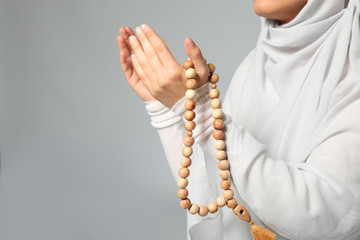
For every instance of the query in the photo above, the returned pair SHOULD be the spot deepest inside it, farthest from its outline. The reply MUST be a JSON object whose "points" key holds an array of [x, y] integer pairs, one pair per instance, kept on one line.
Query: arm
{"points": [[169, 124], [317, 199]]}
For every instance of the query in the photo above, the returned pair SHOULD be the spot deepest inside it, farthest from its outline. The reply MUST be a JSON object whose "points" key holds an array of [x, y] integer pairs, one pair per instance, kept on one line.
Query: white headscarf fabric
{"points": [[298, 94]]}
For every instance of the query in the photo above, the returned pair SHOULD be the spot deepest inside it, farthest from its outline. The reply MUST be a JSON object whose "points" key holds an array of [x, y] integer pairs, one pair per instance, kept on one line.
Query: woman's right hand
{"points": [[126, 63]]}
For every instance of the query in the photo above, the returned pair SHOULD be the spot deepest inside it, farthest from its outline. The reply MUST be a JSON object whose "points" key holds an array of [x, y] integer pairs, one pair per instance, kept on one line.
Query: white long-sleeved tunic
{"points": [[293, 146], [299, 200]]}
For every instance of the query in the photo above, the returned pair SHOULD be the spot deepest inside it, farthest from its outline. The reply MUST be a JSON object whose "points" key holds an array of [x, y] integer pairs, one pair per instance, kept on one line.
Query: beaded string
{"points": [[227, 199]]}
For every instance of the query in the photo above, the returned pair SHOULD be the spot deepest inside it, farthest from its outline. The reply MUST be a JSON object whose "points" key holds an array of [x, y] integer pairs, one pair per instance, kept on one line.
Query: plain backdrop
{"points": [[79, 158]]}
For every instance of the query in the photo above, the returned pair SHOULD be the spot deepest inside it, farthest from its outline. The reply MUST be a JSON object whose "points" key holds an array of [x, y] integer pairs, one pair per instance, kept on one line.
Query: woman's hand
{"points": [[127, 66], [150, 68]]}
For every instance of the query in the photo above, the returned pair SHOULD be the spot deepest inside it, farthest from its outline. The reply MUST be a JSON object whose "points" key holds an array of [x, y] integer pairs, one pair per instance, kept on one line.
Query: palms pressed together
{"points": [[150, 68]]}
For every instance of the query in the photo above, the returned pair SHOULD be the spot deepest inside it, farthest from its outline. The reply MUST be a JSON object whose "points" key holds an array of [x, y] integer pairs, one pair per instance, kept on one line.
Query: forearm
{"points": [[169, 124], [297, 200]]}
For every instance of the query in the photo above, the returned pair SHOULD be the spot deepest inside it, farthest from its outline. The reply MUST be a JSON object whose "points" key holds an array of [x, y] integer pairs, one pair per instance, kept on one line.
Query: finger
{"points": [[125, 58], [141, 72], [159, 45], [149, 51], [140, 56], [129, 31], [123, 47], [194, 53], [125, 33]]}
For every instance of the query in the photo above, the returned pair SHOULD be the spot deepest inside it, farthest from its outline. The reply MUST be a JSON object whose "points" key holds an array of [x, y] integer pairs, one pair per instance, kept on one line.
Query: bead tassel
{"points": [[259, 233]]}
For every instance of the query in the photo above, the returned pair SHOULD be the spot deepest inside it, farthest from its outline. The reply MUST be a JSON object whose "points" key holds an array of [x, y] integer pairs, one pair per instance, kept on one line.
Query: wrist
{"points": [[202, 96], [162, 116]]}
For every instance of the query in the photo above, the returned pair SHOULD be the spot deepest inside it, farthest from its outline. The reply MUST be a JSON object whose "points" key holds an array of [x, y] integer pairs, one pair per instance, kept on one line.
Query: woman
{"points": [[292, 121]]}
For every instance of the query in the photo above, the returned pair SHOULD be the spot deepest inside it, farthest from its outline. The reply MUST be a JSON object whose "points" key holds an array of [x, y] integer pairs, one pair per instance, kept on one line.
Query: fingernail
{"points": [[190, 42], [138, 30], [132, 39], [144, 27]]}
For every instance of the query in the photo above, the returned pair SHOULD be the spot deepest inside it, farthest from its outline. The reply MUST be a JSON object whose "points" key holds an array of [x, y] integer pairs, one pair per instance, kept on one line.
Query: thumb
{"points": [[194, 53]]}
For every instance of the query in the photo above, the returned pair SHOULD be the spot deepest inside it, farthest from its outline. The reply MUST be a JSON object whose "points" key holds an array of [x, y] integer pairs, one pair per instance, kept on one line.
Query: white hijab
{"points": [[296, 90]]}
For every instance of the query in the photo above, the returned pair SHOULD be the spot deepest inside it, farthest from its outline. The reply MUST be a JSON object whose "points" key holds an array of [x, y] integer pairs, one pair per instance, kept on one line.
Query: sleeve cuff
{"points": [[162, 116]]}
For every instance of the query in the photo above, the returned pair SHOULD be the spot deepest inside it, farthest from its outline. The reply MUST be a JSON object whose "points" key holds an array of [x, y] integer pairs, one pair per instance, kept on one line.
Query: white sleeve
{"points": [[169, 124], [316, 199]]}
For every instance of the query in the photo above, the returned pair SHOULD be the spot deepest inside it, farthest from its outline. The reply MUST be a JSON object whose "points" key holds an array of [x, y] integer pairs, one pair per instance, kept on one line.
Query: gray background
{"points": [[79, 158]]}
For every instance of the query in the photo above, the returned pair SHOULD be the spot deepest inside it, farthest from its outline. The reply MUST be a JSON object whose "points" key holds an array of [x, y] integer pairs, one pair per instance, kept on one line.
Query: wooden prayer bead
{"points": [[216, 113], [223, 164], [220, 154], [187, 151], [190, 104], [182, 193], [190, 73], [189, 125], [188, 64], [220, 201], [228, 194], [214, 78], [211, 67], [224, 174], [212, 207], [185, 203], [219, 144], [194, 209], [231, 203], [203, 210], [218, 124], [188, 141], [215, 103], [242, 213], [213, 86], [189, 115], [182, 182], [184, 172], [224, 184], [189, 133], [185, 162], [218, 134], [214, 93], [190, 94], [191, 83]]}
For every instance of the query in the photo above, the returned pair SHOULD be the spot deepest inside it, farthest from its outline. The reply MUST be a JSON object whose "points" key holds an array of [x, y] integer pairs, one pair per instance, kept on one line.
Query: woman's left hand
{"points": [[161, 74]]}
